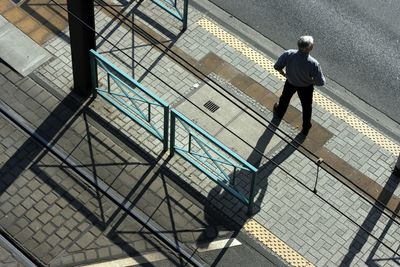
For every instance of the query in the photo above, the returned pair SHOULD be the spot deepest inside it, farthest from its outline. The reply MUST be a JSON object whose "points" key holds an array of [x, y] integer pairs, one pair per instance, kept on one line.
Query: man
{"points": [[302, 73]]}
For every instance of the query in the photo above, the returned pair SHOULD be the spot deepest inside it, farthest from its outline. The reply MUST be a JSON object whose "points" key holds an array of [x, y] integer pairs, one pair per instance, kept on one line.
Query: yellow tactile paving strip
{"points": [[275, 244], [319, 99], [240, 46], [357, 123]]}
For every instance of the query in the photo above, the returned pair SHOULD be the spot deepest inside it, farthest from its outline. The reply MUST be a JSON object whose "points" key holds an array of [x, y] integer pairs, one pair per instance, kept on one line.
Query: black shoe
{"points": [[305, 130], [396, 171], [275, 110]]}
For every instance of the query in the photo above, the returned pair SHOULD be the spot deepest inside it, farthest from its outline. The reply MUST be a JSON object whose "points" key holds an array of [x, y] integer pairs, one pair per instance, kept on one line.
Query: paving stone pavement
{"points": [[296, 215], [63, 220], [52, 214]]}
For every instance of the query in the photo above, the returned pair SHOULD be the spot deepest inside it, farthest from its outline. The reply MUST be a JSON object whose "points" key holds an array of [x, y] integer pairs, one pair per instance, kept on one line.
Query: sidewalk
{"points": [[62, 220], [241, 82]]}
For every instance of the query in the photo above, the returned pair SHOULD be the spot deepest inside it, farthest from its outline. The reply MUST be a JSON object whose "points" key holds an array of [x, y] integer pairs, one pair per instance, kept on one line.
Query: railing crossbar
{"points": [[231, 190], [130, 97], [127, 112], [138, 109], [213, 140], [227, 160], [220, 161], [203, 147], [223, 174]]}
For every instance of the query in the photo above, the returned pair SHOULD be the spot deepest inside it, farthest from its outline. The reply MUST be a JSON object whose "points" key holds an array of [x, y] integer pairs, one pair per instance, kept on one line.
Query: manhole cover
{"points": [[211, 106]]}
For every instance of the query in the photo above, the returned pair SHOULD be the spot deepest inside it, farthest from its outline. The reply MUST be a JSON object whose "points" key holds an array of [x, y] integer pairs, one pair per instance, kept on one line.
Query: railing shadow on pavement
{"points": [[370, 222], [124, 20], [211, 216], [125, 10], [51, 130], [105, 31], [162, 170]]}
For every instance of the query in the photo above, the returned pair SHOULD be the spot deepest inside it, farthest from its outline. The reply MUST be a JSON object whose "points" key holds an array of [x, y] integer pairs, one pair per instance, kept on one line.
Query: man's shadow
{"points": [[235, 213]]}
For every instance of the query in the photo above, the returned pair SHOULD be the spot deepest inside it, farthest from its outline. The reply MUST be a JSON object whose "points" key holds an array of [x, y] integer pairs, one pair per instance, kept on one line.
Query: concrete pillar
{"points": [[82, 39]]}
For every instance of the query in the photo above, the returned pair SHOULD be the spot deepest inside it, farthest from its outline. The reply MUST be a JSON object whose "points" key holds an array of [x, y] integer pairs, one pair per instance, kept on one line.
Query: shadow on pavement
{"points": [[221, 200], [51, 128], [368, 226], [123, 57], [33, 157], [53, 17]]}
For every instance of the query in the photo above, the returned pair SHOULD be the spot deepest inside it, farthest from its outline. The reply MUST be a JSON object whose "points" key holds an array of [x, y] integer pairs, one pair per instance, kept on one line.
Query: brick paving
{"points": [[57, 216], [295, 214], [50, 213]]}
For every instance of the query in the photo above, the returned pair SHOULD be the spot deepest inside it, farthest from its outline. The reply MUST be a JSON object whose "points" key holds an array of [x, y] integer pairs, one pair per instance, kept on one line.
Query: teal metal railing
{"points": [[171, 6], [211, 157], [130, 97], [187, 139]]}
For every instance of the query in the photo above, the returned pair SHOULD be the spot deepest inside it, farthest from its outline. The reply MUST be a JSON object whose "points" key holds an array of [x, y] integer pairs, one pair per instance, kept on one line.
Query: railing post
{"points": [[319, 161], [185, 14], [93, 73], [149, 112], [190, 143], [233, 179], [172, 136], [108, 83], [252, 192], [166, 128]]}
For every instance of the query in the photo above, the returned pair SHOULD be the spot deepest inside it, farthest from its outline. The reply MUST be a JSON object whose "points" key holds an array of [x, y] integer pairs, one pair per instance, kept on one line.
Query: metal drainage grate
{"points": [[211, 106]]}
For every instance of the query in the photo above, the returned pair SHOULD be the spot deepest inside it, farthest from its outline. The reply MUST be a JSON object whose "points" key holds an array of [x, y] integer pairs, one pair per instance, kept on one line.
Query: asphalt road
{"points": [[357, 42]]}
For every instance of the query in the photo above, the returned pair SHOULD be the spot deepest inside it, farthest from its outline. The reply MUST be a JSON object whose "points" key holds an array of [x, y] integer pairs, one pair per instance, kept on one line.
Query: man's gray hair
{"points": [[305, 42]]}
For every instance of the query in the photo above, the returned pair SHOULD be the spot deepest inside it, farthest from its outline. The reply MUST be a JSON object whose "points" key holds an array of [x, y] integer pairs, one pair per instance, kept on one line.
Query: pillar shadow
{"points": [[51, 128]]}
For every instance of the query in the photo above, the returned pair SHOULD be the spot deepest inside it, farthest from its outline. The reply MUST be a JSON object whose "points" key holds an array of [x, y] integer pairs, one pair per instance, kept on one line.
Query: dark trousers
{"points": [[306, 96]]}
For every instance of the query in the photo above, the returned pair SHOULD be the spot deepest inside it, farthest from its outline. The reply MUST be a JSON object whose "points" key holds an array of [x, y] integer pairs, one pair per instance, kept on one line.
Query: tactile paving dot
{"points": [[275, 244]]}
